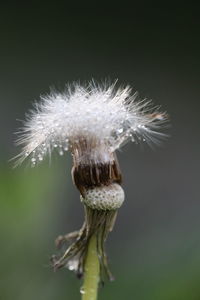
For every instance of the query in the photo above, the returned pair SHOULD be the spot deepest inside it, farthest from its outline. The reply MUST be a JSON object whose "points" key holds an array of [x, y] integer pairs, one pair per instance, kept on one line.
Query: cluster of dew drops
{"points": [[62, 145], [38, 154], [130, 133]]}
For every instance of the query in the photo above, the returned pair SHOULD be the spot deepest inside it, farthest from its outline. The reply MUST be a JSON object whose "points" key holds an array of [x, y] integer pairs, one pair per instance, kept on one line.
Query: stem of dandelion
{"points": [[91, 272]]}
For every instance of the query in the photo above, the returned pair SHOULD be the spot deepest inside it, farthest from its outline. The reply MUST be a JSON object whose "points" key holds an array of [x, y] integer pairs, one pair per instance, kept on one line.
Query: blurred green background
{"points": [[154, 250]]}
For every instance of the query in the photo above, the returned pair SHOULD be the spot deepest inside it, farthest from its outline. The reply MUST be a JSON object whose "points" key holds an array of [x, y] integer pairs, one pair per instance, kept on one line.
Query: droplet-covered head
{"points": [[101, 117]]}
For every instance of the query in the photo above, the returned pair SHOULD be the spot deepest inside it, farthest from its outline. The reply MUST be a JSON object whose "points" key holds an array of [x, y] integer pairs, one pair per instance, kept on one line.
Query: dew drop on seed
{"points": [[61, 152], [33, 162], [55, 145], [66, 145], [71, 267], [120, 130]]}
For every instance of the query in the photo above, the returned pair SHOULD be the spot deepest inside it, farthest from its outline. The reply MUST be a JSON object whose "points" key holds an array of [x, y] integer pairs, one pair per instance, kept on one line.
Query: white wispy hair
{"points": [[103, 114]]}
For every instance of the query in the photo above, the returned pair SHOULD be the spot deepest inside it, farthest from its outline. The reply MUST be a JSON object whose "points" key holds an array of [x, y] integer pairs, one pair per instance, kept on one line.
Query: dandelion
{"points": [[92, 122]]}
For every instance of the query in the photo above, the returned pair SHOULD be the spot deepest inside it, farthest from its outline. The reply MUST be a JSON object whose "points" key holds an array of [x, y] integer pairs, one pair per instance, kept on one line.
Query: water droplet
{"points": [[132, 139], [33, 161], [40, 157], [55, 145], [27, 154], [120, 130], [66, 145], [61, 152], [82, 291], [71, 267]]}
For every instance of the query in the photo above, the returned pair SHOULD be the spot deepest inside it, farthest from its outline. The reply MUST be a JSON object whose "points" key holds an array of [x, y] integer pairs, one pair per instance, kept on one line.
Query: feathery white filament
{"points": [[104, 114]]}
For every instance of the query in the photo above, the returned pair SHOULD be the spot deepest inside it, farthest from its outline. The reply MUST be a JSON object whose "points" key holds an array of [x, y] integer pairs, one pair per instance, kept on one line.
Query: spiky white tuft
{"points": [[104, 114]]}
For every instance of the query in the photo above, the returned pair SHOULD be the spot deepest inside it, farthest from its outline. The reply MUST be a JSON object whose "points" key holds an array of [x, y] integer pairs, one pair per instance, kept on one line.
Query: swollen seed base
{"points": [[104, 197]]}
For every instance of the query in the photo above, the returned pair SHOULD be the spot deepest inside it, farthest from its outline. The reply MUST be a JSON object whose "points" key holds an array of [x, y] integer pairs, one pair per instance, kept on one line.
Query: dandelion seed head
{"points": [[104, 116]]}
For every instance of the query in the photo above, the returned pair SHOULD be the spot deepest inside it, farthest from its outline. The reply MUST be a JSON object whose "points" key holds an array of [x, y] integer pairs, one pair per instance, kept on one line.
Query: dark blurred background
{"points": [[154, 250]]}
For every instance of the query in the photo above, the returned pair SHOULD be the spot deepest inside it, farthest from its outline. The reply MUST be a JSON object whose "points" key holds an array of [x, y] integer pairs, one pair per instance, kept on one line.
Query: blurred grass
{"points": [[149, 269], [27, 218]]}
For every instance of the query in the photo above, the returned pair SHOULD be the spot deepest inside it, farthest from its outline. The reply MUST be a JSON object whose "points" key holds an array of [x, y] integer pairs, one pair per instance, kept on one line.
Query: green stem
{"points": [[91, 272]]}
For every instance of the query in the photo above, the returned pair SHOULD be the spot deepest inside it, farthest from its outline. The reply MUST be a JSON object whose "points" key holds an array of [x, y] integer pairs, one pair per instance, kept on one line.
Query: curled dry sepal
{"points": [[92, 122]]}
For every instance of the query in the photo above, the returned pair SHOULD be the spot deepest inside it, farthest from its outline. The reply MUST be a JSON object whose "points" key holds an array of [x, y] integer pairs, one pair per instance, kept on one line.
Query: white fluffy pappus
{"points": [[99, 114]]}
